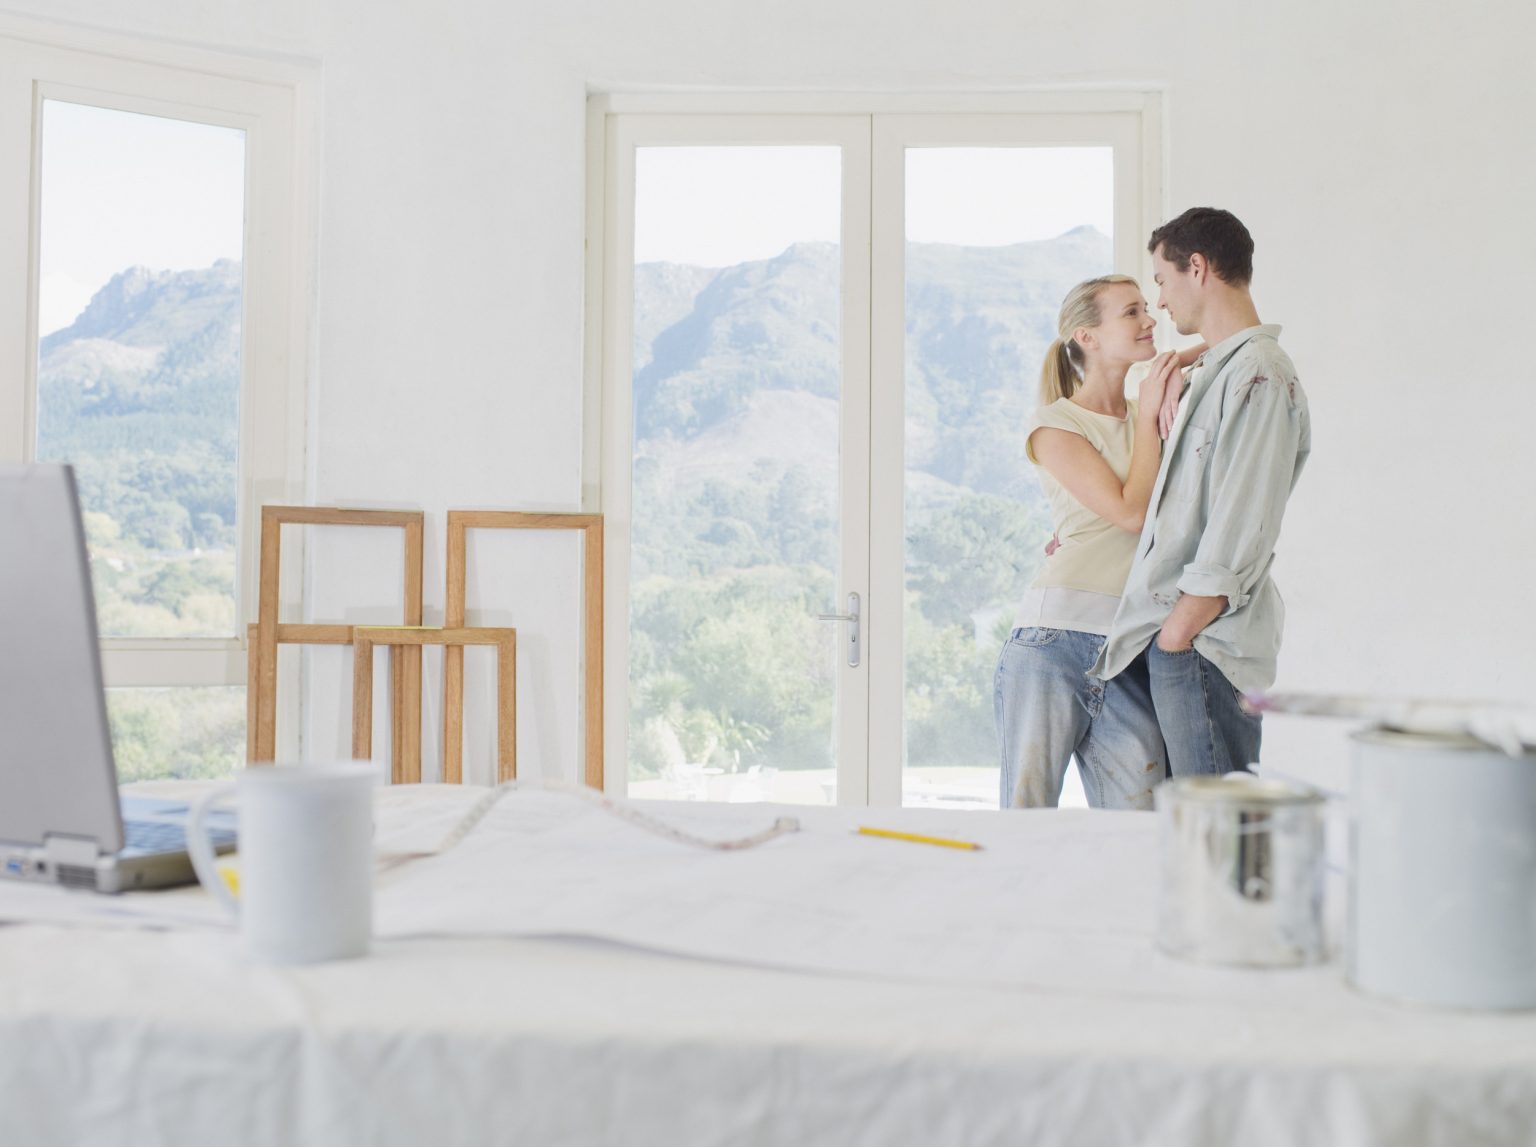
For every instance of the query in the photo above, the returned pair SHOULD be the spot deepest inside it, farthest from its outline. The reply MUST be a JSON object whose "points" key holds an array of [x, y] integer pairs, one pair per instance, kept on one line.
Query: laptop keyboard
{"points": [[157, 836]]}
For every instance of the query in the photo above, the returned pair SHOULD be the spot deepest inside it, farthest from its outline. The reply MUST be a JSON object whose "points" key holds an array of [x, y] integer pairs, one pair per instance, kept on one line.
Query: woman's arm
{"points": [[1082, 470], [1173, 393]]}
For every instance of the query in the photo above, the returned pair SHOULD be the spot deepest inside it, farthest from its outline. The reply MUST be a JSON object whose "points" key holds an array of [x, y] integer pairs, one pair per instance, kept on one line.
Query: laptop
{"points": [[62, 819]]}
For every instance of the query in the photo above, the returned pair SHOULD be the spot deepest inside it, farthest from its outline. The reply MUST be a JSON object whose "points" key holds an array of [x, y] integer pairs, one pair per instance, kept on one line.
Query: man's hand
{"points": [[1052, 546], [1190, 615], [1172, 644]]}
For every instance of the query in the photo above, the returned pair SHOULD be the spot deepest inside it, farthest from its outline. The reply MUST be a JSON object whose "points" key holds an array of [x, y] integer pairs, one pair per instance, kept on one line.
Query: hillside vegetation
{"points": [[735, 531]]}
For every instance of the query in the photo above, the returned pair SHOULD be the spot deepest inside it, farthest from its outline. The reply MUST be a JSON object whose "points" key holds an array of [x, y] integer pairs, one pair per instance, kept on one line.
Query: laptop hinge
{"points": [[71, 850]]}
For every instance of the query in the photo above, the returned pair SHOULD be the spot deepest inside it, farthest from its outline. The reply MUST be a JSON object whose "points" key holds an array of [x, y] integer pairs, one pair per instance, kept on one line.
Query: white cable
{"points": [[478, 811]]}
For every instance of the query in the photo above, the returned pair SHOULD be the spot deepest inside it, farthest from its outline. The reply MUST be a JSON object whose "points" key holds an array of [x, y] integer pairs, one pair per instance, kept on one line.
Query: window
{"points": [[156, 343]]}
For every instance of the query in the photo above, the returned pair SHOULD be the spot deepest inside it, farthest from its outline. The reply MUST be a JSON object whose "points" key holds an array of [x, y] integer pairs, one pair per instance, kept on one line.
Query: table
{"points": [[129, 1036]]}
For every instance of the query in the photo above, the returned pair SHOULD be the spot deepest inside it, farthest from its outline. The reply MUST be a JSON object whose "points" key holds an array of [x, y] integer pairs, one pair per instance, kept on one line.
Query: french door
{"points": [[819, 336]]}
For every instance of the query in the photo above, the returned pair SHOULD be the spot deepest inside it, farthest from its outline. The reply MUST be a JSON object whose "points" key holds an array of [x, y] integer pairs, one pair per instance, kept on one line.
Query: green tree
{"points": [[979, 552]]}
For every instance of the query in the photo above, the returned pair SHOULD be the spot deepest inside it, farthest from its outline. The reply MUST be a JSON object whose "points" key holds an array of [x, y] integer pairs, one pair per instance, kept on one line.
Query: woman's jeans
{"points": [[1048, 708]]}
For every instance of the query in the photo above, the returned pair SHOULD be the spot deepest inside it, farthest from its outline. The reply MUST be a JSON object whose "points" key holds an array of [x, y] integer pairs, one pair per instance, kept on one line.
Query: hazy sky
{"points": [[716, 206], [121, 190]]}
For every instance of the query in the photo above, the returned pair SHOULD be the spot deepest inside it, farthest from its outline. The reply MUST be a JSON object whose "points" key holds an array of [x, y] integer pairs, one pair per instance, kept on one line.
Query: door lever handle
{"points": [[852, 618]]}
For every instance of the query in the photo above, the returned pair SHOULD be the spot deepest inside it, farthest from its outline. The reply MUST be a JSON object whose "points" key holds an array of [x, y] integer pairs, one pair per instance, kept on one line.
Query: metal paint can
{"points": [[1443, 873], [1243, 862]]}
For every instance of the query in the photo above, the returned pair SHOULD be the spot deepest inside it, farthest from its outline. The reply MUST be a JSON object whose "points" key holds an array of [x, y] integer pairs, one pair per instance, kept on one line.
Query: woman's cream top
{"points": [[1095, 555]]}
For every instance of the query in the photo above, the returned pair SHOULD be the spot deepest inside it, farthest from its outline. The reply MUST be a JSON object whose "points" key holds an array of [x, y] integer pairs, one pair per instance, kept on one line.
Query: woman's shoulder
{"points": [[1063, 414]]}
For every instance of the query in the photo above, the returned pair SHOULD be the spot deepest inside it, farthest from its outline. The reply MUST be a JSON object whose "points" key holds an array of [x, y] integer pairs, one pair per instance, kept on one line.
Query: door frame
{"points": [[868, 127]]}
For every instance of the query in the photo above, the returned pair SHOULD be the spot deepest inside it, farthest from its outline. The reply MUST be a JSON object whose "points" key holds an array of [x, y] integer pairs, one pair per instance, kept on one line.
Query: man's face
{"points": [[1177, 293]]}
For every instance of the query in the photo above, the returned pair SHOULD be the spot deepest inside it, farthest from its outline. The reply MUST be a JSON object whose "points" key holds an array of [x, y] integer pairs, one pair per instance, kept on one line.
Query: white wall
{"points": [[1379, 152]]}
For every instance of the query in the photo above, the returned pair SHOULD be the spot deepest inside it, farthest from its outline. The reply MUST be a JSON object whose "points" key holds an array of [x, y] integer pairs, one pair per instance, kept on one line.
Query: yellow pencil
{"points": [[892, 834]]}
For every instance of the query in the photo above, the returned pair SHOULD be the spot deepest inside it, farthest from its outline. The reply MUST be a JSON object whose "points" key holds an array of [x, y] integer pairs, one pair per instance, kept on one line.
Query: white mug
{"points": [[306, 860]]}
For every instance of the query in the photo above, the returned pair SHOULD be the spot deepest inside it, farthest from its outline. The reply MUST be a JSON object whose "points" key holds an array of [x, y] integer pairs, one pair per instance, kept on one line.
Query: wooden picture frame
{"points": [[405, 679], [591, 527], [404, 639]]}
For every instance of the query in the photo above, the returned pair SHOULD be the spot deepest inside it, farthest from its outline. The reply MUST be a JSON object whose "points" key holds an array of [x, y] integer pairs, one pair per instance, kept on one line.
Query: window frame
{"points": [[273, 103]]}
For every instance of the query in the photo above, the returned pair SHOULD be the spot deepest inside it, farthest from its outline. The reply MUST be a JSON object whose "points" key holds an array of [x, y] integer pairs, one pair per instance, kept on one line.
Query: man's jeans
{"points": [[1048, 708], [1205, 729]]}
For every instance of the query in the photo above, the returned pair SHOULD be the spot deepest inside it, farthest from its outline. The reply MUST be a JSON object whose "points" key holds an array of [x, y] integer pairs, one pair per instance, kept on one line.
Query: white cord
{"points": [[478, 811]]}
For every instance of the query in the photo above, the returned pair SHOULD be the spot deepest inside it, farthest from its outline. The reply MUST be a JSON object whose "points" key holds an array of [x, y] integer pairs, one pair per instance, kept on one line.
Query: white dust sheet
{"points": [[1000, 997], [1059, 900]]}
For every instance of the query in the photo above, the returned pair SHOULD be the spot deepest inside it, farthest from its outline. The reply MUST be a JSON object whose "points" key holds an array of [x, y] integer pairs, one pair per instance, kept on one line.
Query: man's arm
{"points": [[1191, 613], [1252, 471]]}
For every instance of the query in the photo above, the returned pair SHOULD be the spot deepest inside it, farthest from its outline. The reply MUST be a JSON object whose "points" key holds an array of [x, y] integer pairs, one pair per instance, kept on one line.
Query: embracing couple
{"points": [[1155, 610]]}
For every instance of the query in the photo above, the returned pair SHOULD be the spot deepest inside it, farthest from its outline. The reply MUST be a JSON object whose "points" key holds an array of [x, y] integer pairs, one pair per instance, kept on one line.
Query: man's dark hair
{"points": [[1218, 235]]}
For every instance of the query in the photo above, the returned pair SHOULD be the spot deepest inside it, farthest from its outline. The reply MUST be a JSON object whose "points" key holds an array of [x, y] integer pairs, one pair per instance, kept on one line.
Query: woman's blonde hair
{"points": [[1063, 367]]}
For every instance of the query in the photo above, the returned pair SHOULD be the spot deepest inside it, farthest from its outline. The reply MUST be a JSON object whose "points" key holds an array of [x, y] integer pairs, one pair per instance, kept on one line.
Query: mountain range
{"points": [[142, 393], [743, 363], [730, 365]]}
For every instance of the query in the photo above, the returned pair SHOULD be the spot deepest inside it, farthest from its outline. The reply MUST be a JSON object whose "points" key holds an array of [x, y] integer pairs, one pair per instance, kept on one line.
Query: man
{"points": [[1199, 604]]}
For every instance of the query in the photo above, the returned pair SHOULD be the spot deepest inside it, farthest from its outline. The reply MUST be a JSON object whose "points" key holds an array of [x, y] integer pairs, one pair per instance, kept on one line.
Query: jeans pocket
{"points": [[1035, 635], [1240, 699]]}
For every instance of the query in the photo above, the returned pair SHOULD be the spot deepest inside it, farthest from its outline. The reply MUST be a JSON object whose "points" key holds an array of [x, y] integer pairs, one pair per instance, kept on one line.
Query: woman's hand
{"points": [[1156, 384], [1175, 391], [1169, 411]]}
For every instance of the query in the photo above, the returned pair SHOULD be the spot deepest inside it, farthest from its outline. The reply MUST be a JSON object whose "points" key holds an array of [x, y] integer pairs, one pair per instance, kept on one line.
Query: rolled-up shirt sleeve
{"points": [[1253, 467]]}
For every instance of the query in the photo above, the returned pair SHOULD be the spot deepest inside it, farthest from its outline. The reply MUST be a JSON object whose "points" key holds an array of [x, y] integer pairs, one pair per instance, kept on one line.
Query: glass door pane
{"points": [[138, 385], [994, 237], [735, 537]]}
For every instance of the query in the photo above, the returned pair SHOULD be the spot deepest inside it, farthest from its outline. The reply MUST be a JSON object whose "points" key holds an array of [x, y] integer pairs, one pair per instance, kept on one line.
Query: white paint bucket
{"points": [[1443, 879]]}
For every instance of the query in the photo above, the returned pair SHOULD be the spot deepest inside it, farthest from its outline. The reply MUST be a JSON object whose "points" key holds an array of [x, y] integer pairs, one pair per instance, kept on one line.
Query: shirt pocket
{"points": [[1186, 477]]}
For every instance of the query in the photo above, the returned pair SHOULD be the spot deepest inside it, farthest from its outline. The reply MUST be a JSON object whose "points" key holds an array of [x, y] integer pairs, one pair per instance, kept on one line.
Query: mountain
{"points": [[664, 294], [142, 393], [978, 322], [770, 324]]}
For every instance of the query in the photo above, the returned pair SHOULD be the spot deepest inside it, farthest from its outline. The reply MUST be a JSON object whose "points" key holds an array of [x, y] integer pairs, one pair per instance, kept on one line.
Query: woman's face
{"points": [[1124, 333]]}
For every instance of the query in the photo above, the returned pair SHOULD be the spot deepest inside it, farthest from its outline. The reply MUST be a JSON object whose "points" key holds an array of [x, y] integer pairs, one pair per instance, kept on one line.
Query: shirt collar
{"points": [[1226, 346]]}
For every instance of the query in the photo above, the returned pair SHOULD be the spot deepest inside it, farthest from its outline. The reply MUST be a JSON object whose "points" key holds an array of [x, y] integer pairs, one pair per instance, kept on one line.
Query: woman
{"points": [[1098, 456]]}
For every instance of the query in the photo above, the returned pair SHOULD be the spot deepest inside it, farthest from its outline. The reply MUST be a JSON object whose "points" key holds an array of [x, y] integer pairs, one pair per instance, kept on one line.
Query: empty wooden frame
{"points": [[403, 640], [405, 671], [591, 525]]}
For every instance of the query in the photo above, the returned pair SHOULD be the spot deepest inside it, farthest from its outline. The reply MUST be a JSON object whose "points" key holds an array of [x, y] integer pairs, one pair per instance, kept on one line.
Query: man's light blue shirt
{"points": [[1239, 443]]}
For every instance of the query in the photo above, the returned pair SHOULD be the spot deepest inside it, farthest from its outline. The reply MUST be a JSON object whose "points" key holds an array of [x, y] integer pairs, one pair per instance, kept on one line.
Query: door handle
{"points": [[852, 618]]}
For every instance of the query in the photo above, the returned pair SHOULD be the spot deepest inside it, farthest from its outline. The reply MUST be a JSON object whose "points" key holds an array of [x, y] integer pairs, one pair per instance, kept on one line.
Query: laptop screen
{"points": [[56, 770]]}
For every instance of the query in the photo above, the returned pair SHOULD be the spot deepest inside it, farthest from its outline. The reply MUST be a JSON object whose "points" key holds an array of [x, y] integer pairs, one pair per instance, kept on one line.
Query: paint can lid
{"points": [[1238, 789], [1509, 728], [1389, 737]]}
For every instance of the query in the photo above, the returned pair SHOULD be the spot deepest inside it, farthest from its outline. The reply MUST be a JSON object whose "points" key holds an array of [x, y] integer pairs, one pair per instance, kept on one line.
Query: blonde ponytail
{"points": [[1058, 375], [1063, 366]]}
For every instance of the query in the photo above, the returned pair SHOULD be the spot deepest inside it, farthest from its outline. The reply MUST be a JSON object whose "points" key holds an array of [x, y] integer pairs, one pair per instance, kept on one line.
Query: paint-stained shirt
{"points": [[1241, 438]]}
